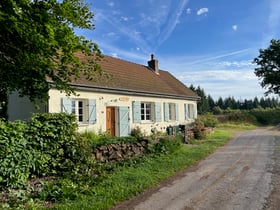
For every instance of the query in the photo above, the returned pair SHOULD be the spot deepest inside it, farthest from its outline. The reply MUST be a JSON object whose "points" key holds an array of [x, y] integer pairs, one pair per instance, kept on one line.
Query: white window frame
{"points": [[79, 108], [147, 109]]}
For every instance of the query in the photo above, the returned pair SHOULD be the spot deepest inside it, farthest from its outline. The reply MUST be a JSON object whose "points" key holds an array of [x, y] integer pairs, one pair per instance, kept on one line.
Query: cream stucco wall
{"points": [[104, 100]]}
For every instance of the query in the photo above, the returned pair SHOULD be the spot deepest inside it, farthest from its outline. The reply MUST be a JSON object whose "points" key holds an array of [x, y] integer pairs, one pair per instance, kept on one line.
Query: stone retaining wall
{"points": [[120, 151]]}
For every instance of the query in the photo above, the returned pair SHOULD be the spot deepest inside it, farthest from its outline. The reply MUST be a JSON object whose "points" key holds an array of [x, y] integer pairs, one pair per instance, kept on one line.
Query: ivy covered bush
{"points": [[46, 145]]}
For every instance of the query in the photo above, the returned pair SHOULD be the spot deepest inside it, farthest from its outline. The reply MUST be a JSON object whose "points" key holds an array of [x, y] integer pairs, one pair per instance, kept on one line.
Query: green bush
{"points": [[208, 120], [137, 132], [57, 145], [166, 146], [47, 145], [199, 129], [266, 116], [15, 154]]}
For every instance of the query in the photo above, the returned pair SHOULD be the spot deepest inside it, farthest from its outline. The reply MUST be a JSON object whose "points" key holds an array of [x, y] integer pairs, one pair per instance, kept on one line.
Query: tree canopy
{"points": [[268, 69], [38, 42]]}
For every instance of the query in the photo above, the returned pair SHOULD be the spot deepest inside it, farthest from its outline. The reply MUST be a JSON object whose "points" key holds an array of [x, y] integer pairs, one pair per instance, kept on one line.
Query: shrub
{"points": [[16, 155], [57, 145], [165, 145], [266, 116], [199, 129], [137, 132], [217, 110], [47, 145], [208, 120]]}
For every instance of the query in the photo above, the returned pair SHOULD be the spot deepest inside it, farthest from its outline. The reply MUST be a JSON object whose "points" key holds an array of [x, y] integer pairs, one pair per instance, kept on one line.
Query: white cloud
{"points": [[124, 18], [189, 11], [234, 27], [224, 83], [202, 11], [111, 4], [115, 55], [172, 23]]}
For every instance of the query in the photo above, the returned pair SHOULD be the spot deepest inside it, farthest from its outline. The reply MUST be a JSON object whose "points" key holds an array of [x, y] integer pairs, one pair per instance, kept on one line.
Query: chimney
{"points": [[153, 64]]}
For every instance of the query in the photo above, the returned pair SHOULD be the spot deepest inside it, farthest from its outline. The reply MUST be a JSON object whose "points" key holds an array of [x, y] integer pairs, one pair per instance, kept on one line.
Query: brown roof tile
{"points": [[128, 76]]}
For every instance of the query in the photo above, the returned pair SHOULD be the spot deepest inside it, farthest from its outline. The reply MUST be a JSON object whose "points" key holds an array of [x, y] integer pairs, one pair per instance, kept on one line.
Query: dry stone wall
{"points": [[121, 151]]}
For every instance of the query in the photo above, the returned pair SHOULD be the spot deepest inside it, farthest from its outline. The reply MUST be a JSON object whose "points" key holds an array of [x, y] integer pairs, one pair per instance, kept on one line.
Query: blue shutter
{"points": [[124, 127], [195, 111], [186, 111], [91, 111], [136, 109], [166, 111], [158, 112], [176, 112], [66, 105]]}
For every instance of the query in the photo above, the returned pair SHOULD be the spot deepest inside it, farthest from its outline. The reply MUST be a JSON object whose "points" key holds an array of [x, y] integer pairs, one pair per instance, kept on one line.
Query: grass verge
{"points": [[137, 175]]}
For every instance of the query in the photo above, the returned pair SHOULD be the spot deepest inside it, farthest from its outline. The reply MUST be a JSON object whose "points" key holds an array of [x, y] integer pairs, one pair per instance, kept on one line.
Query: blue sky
{"points": [[202, 42]]}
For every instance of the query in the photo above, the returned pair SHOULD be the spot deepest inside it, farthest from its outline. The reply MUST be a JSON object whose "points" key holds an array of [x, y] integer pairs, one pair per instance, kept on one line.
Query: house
{"points": [[132, 96]]}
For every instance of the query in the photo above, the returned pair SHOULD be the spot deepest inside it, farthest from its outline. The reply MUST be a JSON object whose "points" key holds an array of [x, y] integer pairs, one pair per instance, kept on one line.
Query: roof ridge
{"points": [[122, 59]]}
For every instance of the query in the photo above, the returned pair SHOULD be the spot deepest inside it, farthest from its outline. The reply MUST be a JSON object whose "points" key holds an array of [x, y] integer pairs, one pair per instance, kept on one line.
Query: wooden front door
{"points": [[110, 121]]}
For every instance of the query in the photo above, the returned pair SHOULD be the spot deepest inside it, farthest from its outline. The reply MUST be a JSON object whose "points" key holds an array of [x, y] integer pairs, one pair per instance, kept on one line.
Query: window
{"points": [[172, 111], [84, 109], [146, 111], [190, 111], [78, 109]]}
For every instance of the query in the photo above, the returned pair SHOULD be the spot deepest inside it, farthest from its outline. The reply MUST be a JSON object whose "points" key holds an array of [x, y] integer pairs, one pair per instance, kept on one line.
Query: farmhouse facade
{"points": [[131, 96]]}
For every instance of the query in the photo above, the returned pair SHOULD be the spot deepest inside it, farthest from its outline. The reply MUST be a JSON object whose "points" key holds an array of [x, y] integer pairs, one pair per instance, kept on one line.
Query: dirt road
{"points": [[244, 174]]}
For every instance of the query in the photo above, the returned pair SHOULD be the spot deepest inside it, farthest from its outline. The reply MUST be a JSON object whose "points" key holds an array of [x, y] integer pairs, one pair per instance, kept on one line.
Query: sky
{"points": [[206, 43]]}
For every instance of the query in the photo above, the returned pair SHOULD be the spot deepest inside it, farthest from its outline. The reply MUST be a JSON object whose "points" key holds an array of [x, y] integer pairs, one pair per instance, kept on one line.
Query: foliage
{"points": [[199, 129], [15, 154], [208, 120], [167, 146], [37, 41], [47, 145], [268, 70], [266, 116], [217, 110], [95, 140], [220, 106], [58, 149], [137, 132]]}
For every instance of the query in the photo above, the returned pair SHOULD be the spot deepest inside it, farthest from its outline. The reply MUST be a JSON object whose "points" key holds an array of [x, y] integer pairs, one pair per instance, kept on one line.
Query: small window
{"points": [[78, 108], [172, 111], [146, 111], [190, 111]]}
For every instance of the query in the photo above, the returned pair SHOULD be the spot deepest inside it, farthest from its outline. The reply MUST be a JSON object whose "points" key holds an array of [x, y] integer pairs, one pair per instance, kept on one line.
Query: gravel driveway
{"points": [[244, 174]]}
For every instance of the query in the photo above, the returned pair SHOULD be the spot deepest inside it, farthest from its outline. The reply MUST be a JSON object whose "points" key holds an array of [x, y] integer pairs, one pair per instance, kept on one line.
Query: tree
{"points": [[211, 102], [269, 67], [38, 43]]}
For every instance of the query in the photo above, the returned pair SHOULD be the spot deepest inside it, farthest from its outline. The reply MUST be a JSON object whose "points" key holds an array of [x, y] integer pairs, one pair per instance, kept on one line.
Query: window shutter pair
{"points": [[66, 107], [136, 110]]}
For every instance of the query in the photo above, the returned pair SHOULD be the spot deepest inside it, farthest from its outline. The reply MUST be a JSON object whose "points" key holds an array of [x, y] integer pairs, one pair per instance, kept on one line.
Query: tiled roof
{"points": [[136, 78]]}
